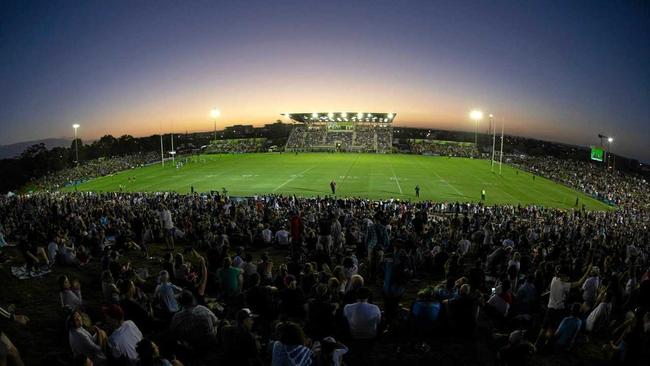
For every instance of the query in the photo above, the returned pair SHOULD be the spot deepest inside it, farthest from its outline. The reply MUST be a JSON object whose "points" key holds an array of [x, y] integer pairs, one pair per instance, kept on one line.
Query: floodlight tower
{"points": [[476, 115], [609, 151], [76, 143], [215, 113]]}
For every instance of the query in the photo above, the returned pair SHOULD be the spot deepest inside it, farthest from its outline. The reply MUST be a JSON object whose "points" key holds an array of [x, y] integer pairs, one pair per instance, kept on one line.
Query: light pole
{"points": [[476, 115], [76, 143], [215, 113], [609, 152], [494, 137]]}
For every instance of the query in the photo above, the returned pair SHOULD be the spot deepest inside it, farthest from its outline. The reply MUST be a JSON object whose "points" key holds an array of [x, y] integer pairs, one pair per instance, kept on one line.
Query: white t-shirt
{"points": [[166, 219], [463, 246], [267, 236], [52, 250], [363, 319], [282, 237], [602, 310], [559, 291], [123, 341]]}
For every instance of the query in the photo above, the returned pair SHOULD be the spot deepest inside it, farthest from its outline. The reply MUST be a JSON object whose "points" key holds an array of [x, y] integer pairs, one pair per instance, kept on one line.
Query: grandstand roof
{"points": [[361, 117]]}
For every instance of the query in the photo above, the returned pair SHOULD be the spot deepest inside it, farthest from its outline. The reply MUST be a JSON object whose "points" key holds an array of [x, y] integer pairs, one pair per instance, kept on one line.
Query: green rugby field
{"points": [[374, 176]]}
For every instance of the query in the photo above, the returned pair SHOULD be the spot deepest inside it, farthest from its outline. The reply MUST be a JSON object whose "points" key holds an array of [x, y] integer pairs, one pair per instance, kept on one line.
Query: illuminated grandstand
{"points": [[341, 131]]}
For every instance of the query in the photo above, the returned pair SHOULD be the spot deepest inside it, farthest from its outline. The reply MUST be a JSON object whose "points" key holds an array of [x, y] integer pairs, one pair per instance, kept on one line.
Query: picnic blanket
{"points": [[22, 274]]}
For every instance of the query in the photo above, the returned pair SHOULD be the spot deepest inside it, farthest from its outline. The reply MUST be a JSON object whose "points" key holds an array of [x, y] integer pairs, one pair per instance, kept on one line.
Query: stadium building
{"points": [[341, 131]]}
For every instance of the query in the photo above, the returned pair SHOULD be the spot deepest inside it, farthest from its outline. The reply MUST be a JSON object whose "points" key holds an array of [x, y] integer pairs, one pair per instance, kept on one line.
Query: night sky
{"points": [[558, 70]]}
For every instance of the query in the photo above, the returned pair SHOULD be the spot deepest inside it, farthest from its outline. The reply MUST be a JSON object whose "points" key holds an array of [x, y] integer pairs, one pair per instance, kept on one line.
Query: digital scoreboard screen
{"points": [[597, 153]]}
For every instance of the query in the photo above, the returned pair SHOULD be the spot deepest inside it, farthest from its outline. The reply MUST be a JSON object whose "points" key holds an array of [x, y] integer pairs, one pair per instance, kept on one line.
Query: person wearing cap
{"points": [[124, 338], [194, 324], [329, 351], [240, 344]]}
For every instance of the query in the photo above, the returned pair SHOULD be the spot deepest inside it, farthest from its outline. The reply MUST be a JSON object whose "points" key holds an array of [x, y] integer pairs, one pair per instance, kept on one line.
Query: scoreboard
{"points": [[597, 153]]}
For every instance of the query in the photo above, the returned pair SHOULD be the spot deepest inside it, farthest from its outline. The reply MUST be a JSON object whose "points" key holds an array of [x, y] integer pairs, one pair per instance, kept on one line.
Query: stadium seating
{"points": [[362, 138], [246, 145]]}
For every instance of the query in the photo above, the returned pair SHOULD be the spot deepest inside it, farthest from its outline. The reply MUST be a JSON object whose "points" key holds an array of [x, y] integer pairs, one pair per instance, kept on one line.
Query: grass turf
{"points": [[357, 175]]}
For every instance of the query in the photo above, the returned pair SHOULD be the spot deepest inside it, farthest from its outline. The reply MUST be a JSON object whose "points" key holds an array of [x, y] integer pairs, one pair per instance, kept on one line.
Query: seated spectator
{"points": [[463, 311], [330, 352], [599, 316], [133, 310], [517, 352], [109, 289], [425, 312], [282, 237], [166, 293], [241, 345], [125, 337], [230, 279], [568, 330], [70, 295], [291, 299], [194, 324], [149, 355], [82, 342], [291, 349], [363, 318]]}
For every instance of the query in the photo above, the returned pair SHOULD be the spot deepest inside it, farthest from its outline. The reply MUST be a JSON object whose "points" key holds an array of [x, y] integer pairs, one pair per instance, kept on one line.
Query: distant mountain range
{"points": [[13, 150]]}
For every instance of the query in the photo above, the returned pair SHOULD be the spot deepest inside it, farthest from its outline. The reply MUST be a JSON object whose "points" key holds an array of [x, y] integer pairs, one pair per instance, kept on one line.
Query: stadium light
{"points": [[330, 115], [359, 115], [344, 115], [390, 116], [610, 139], [476, 115], [76, 143]]}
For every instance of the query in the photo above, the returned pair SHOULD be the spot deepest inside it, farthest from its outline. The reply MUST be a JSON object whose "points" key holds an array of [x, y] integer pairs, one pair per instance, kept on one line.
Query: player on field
{"points": [[333, 187], [417, 190]]}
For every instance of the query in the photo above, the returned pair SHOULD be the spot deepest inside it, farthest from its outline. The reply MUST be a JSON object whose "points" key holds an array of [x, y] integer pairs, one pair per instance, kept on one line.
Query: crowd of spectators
{"points": [[364, 138], [528, 280], [384, 139], [93, 169], [446, 148], [233, 146], [606, 184]]}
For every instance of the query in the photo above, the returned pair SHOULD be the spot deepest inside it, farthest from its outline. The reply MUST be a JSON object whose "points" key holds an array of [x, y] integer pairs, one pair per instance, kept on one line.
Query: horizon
{"points": [[560, 74]]}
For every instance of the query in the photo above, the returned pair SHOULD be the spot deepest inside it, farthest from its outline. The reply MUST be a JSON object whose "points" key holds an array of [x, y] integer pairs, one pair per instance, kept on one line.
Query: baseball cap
{"points": [[244, 314], [113, 311]]}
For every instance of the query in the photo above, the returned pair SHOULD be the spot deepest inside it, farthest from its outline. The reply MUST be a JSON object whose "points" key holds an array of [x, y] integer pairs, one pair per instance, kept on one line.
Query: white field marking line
{"points": [[292, 179], [396, 180], [447, 183]]}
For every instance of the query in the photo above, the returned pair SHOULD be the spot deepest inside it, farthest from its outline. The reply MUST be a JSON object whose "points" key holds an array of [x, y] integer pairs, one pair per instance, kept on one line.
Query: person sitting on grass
{"points": [[291, 348], [124, 338], [82, 342], [166, 293], [70, 294], [568, 330], [149, 355]]}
